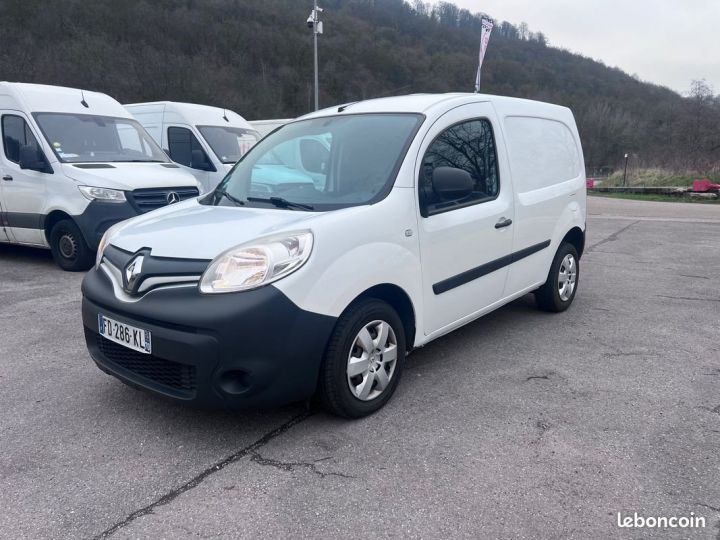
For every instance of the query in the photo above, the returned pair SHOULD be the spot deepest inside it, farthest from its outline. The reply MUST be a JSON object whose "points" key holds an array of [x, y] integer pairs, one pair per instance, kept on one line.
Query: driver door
{"points": [[23, 190], [465, 244]]}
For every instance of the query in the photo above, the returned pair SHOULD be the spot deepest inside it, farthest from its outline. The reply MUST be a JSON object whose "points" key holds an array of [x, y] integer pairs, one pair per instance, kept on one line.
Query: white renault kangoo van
{"points": [[427, 212]]}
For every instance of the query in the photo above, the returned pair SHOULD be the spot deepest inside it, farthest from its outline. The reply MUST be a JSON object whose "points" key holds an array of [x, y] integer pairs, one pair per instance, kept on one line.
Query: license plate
{"points": [[131, 337]]}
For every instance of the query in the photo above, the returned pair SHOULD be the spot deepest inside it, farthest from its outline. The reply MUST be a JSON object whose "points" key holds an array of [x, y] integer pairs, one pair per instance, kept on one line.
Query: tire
{"points": [[358, 391], [69, 248], [552, 296]]}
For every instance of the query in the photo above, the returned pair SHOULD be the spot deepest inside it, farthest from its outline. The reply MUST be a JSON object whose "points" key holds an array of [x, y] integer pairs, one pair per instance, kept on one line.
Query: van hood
{"points": [[190, 230], [129, 176]]}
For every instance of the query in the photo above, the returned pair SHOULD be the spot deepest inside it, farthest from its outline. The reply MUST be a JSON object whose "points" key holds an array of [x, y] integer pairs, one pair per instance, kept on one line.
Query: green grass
{"points": [[657, 177], [653, 197]]}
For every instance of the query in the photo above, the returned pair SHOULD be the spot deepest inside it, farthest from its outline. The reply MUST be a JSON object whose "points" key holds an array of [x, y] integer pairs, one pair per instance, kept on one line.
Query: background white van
{"points": [[264, 127], [74, 163], [206, 140]]}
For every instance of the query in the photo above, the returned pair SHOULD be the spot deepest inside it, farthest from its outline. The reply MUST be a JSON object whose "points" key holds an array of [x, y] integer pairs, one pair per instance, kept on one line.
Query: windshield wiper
{"points": [[281, 203], [231, 198]]}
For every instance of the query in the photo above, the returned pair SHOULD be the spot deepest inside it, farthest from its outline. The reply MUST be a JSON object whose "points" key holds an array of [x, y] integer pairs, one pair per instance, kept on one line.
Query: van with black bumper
{"points": [[73, 164], [424, 213]]}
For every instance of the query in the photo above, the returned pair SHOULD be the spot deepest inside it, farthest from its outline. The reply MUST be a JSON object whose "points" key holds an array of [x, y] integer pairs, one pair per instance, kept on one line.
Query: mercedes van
{"points": [[74, 163], [206, 141], [434, 210]]}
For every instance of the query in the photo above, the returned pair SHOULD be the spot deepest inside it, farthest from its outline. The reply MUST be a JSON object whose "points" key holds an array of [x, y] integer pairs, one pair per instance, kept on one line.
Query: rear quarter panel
{"points": [[547, 204]]}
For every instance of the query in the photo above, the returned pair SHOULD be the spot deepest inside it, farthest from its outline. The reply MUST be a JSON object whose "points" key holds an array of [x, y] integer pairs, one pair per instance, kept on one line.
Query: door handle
{"points": [[7, 178], [503, 222]]}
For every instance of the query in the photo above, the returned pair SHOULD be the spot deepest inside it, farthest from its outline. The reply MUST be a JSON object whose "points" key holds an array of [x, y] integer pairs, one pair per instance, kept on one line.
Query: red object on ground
{"points": [[590, 183], [705, 185]]}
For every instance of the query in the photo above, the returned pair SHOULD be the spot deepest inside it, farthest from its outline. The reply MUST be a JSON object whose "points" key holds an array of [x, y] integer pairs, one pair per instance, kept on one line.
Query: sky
{"points": [[662, 41]]}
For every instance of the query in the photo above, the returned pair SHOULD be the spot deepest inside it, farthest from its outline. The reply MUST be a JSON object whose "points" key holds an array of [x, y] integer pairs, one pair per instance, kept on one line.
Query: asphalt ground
{"points": [[522, 424]]}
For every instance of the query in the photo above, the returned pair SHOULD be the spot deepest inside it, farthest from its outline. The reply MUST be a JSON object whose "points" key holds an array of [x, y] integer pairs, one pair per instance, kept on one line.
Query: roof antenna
{"points": [[83, 102], [225, 115]]}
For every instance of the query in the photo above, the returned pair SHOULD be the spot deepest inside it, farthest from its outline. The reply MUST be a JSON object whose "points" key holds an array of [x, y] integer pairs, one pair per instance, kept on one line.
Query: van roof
{"points": [[192, 113], [47, 98], [440, 103]]}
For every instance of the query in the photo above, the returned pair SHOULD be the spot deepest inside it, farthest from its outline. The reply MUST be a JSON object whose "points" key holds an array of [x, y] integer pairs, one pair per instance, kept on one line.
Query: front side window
{"points": [[88, 138], [470, 147], [186, 150], [16, 133], [322, 163], [229, 143]]}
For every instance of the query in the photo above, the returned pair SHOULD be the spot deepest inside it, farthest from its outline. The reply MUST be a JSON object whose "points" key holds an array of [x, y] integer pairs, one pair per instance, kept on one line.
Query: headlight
{"points": [[104, 241], [102, 194], [258, 263]]}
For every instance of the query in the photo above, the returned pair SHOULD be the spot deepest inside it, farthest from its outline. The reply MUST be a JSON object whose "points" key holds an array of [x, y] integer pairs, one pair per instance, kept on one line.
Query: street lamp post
{"points": [[625, 173], [317, 28]]}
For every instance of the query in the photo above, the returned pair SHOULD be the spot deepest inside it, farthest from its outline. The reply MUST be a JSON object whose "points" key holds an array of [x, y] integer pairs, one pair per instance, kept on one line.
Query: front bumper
{"points": [[248, 349], [99, 216]]}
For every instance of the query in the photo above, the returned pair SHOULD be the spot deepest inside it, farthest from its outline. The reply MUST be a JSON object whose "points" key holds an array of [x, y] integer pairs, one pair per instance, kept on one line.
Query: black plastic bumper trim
{"points": [[250, 349], [99, 216], [484, 269], [23, 220]]}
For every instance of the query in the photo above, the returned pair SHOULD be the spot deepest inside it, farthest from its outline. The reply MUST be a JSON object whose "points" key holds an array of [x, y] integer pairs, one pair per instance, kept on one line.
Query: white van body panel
{"points": [[549, 175], [389, 242], [33, 195], [156, 117], [263, 127]]}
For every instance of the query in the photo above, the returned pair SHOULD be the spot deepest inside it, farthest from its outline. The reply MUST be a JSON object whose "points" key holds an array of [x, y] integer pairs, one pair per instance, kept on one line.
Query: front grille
{"points": [[149, 199], [171, 374]]}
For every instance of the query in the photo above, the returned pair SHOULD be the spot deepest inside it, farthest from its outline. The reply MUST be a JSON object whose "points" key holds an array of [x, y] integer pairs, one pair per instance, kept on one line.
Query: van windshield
{"points": [[229, 143], [88, 138], [321, 163]]}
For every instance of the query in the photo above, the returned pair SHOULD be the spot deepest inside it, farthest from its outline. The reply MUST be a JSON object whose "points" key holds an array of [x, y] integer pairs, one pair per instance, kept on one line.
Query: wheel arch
{"points": [[576, 236], [400, 301], [52, 219]]}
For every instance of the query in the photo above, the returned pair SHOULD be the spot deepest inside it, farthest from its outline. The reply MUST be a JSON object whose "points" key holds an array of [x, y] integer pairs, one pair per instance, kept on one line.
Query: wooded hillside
{"points": [[255, 57]]}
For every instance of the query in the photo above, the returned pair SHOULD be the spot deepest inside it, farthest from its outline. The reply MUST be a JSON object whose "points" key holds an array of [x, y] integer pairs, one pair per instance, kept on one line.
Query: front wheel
{"points": [[559, 290], [364, 360], [69, 248]]}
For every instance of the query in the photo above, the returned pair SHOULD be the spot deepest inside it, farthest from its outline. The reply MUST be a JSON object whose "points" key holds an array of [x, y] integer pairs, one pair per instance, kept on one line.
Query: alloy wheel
{"points": [[372, 360]]}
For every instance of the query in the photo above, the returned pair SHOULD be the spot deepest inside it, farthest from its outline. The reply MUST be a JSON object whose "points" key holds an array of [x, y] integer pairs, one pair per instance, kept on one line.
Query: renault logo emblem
{"points": [[173, 197], [133, 271]]}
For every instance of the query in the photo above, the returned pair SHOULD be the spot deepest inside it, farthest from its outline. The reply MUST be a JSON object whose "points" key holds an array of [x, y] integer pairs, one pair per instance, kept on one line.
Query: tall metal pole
{"points": [[315, 35], [625, 172]]}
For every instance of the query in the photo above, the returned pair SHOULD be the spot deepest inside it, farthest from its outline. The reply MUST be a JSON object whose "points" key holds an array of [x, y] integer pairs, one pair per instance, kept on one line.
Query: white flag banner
{"points": [[486, 28]]}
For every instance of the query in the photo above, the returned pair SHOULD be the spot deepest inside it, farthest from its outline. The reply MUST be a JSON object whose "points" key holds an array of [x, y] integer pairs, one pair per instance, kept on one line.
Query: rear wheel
{"points": [[364, 360], [69, 248], [559, 290]]}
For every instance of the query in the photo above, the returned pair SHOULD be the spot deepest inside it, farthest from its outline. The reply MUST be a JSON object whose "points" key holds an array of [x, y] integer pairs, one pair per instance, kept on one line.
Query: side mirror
{"points": [[314, 156], [451, 184], [198, 160], [31, 158]]}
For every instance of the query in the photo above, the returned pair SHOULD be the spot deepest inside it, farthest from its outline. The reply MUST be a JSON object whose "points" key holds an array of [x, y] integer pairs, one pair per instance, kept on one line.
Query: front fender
{"points": [[330, 290]]}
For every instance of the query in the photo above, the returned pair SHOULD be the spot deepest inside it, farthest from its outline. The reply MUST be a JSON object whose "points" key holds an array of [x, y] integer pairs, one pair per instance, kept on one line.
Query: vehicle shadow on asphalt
{"points": [[503, 320], [25, 255]]}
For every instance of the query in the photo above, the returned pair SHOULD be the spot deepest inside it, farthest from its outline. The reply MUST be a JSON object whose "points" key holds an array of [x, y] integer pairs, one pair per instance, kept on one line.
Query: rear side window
{"points": [[543, 152], [181, 144], [16, 133], [469, 146]]}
